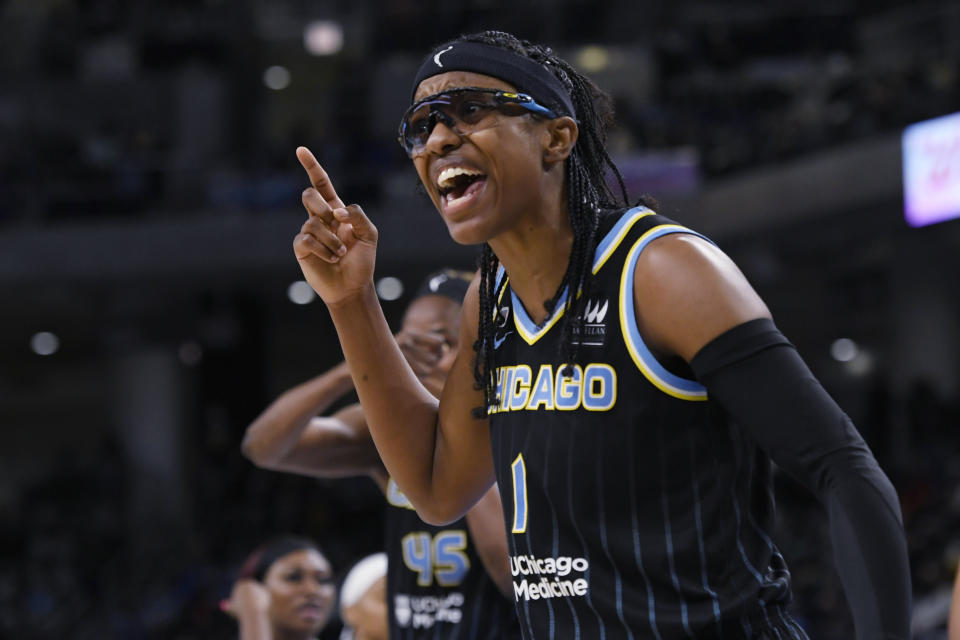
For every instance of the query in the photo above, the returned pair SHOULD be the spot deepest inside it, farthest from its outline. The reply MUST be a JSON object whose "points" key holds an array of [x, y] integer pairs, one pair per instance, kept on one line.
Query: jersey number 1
{"points": [[519, 470]]}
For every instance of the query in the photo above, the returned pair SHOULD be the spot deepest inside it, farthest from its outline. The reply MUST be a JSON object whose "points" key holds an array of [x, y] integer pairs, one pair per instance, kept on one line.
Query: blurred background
{"points": [[152, 307]]}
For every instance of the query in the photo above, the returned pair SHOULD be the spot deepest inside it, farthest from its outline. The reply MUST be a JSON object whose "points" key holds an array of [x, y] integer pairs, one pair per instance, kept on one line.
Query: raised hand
{"points": [[337, 245], [422, 349], [248, 598]]}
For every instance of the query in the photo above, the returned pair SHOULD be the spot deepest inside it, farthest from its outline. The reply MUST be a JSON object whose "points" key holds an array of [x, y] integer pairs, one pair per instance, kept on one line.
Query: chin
{"points": [[468, 232]]}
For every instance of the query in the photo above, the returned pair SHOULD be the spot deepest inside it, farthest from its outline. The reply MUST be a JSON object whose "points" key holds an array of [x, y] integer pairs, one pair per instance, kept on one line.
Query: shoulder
{"points": [[672, 258], [687, 292]]}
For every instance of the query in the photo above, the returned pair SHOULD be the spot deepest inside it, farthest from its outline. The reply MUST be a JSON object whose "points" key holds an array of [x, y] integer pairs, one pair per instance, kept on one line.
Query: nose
{"points": [[314, 586], [442, 138]]}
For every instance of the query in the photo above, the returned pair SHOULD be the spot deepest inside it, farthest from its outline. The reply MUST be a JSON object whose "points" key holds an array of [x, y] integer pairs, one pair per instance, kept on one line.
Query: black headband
{"points": [[260, 560], [528, 76]]}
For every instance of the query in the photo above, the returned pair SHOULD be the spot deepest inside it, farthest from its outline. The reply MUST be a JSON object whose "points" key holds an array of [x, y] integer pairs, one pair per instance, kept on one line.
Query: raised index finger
{"points": [[319, 178]]}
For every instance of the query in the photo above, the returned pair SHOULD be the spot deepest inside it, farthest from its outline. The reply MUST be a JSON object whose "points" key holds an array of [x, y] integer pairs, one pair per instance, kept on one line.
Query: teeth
{"points": [[447, 175]]}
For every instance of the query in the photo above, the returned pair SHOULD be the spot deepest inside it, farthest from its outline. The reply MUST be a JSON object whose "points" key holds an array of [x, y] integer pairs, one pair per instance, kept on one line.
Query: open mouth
{"points": [[459, 183]]}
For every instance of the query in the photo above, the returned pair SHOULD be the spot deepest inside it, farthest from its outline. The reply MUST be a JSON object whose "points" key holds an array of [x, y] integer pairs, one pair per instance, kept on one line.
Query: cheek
{"points": [[420, 165], [279, 605], [518, 162], [328, 592]]}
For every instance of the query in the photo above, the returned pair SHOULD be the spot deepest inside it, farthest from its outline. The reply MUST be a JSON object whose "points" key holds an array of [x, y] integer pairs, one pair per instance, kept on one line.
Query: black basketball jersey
{"points": [[437, 587], [634, 508]]}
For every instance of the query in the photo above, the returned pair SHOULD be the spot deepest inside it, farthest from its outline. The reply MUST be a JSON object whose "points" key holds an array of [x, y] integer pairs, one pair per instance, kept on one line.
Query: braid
{"points": [[587, 192], [483, 369]]}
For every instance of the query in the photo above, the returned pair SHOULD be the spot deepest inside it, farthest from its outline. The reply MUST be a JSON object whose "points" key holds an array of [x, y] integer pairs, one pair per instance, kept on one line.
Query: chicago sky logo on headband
{"points": [[436, 58]]}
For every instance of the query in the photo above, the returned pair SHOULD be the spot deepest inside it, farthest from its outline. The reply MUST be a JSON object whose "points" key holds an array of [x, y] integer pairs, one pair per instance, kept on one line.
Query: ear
{"points": [[559, 137]]}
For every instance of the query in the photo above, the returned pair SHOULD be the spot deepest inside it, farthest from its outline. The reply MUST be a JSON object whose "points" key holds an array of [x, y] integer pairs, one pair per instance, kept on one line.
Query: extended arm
{"points": [[707, 313], [288, 436], [438, 454]]}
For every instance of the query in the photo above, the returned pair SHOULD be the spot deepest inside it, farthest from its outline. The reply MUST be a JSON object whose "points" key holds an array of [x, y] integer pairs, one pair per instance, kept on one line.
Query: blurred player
{"points": [[285, 591], [442, 581], [363, 600]]}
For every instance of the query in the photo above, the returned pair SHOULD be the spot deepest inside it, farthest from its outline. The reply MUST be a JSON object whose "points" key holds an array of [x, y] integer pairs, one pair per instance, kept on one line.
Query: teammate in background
{"points": [[363, 600], [953, 626], [442, 581], [627, 389], [285, 590]]}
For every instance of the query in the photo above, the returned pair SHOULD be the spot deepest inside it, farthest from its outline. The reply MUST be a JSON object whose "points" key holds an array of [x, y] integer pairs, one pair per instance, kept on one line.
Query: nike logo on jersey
{"points": [[499, 341]]}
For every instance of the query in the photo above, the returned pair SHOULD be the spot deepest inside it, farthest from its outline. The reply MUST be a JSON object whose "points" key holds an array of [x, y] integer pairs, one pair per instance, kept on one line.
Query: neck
{"points": [[535, 255]]}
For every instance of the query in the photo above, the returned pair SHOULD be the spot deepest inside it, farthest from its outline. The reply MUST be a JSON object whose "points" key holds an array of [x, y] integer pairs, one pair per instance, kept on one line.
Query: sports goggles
{"points": [[464, 111]]}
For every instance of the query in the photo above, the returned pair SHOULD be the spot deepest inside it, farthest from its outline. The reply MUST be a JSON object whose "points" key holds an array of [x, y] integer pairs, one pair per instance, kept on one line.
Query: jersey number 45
{"points": [[441, 557]]}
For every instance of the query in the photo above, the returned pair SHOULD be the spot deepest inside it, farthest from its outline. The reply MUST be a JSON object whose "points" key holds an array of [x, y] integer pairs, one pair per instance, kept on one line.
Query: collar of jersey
{"points": [[526, 327]]}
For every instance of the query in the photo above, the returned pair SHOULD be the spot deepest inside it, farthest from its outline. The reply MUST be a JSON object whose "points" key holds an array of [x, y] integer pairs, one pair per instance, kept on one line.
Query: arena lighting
{"points": [[45, 343], [323, 37], [593, 58], [844, 350], [389, 288], [931, 171], [276, 77], [300, 292], [862, 365]]}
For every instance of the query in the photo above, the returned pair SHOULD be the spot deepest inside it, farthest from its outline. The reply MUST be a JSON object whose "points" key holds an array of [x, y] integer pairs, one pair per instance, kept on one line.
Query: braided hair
{"points": [[587, 192]]}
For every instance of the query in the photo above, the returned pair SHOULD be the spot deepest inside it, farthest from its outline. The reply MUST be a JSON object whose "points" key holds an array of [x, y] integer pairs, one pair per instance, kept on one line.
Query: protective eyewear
{"points": [[464, 111]]}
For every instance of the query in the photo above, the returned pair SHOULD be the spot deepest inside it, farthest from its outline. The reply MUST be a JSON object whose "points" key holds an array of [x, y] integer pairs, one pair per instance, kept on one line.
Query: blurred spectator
{"points": [[285, 590]]}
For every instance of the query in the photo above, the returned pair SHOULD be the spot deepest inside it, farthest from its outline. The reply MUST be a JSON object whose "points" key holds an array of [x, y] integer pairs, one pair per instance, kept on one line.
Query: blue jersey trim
{"points": [[526, 327], [614, 237], [648, 365]]}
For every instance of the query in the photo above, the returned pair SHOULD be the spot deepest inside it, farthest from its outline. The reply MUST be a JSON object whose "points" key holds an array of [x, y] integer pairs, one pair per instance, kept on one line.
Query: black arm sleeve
{"points": [[757, 377]]}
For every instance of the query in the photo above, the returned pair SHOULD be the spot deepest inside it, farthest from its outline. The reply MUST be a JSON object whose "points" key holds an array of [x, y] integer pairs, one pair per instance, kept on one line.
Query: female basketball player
{"points": [[285, 590], [441, 581], [627, 388], [363, 600]]}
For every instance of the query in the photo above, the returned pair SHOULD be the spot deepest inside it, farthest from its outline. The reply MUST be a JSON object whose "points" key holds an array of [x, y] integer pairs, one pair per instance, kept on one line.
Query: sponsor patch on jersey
{"points": [[594, 330], [544, 578], [423, 612]]}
